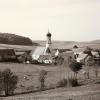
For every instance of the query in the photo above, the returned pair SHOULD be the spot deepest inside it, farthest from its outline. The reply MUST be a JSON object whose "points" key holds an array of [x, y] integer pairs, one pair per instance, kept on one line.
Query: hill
{"points": [[96, 41], [7, 38], [70, 44]]}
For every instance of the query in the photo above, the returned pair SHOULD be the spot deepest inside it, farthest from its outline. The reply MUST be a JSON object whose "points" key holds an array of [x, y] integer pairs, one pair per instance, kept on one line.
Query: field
{"points": [[31, 72], [17, 47], [89, 88], [28, 75]]}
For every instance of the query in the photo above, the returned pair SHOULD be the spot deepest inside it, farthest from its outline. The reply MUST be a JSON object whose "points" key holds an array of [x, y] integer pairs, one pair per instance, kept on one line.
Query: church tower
{"points": [[48, 49]]}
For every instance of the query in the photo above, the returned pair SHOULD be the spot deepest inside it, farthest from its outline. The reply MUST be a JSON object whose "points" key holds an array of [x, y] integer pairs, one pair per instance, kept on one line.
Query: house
{"points": [[7, 54], [95, 54], [62, 55]]}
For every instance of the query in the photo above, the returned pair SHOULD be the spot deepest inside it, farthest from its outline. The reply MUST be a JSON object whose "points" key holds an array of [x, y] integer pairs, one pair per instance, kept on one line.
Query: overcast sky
{"points": [[74, 20]]}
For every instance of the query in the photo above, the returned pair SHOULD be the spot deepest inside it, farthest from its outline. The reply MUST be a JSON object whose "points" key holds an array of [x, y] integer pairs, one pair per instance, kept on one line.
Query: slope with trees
{"points": [[7, 38]]}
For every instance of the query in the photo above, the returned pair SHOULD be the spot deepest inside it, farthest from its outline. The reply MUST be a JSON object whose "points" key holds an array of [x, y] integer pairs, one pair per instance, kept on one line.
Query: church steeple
{"points": [[48, 43], [48, 38]]}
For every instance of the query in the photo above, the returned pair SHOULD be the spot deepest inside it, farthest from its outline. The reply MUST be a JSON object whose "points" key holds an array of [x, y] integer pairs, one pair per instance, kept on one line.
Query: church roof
{"points": [[48, 50], [39, 51], [44, 57]]}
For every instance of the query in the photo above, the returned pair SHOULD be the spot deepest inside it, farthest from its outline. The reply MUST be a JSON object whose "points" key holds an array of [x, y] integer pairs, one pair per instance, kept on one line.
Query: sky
{"points": [[67, 20]]}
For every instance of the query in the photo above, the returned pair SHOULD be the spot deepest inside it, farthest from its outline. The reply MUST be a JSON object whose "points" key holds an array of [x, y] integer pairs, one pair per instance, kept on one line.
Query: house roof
{"points": [[19, 53], [7, 52], [77, 50], [81, 56]]}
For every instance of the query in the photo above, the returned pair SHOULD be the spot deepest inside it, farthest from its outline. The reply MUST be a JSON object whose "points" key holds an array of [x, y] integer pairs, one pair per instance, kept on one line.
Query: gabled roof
{"points": [[82, 56]]}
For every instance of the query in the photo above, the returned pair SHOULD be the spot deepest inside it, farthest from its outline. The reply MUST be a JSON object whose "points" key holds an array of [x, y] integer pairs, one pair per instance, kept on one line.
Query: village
{"points": [[48, 54], [47, 67]]}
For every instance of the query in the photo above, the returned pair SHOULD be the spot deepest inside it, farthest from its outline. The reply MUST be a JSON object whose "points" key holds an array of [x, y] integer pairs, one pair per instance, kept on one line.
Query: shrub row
{"points": [[67, 82]]}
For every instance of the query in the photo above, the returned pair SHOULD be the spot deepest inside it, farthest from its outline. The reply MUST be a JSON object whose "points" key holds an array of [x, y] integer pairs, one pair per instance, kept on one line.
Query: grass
{"points": [[31, 72], [17, 47], [28, 80]]}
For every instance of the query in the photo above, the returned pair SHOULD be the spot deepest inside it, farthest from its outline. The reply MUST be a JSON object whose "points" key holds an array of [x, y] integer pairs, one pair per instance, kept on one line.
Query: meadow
{"points": [[28, 81]]}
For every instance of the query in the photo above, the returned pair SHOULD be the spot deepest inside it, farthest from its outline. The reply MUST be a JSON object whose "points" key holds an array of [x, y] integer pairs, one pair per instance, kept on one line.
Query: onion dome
{"points": [[48, 34]]}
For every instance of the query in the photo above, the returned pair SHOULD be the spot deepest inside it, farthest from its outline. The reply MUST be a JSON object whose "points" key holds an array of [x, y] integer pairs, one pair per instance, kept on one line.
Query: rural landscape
{"points": [[49, 70], [49, 49]]}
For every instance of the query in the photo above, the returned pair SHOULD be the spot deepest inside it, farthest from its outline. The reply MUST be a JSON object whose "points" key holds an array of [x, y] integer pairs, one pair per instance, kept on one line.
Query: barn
{"points": [[7, 54]]}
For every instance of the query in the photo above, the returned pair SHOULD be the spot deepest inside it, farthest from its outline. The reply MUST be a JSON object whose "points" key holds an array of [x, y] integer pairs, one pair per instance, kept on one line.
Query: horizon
{"points": [[67, 20], [51, 38]]}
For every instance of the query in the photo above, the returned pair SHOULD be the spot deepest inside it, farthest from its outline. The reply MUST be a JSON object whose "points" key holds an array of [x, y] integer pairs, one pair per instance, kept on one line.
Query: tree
{"points": [[42, 77], [96, 70], [10, 81], [88, 51], [96, 67], [89, 62], [75, 67]]}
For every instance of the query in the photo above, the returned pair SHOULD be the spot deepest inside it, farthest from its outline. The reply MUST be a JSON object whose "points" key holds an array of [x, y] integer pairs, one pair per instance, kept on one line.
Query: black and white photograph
{"points": [[49, 49]]}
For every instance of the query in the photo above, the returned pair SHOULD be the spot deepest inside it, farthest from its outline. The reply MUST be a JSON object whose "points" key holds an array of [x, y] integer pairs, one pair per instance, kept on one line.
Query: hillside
{"points": [[96, 41], [7, 38], [70, 44]]}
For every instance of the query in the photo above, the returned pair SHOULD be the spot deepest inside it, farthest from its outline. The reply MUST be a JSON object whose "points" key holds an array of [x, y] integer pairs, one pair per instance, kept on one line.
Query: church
{"points": [[43, 54]]}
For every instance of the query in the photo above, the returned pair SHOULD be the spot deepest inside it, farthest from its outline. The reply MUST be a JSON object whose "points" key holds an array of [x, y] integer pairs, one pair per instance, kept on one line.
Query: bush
{"points": [[67, 82], [62, 83], [72, 82], [9, 80]]}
